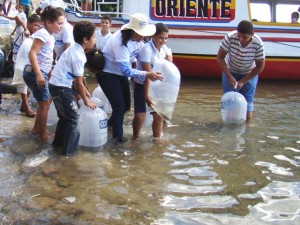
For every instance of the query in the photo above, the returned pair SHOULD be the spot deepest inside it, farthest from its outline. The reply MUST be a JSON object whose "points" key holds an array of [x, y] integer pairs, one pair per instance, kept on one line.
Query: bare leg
{"points": [[249, 116], [41, 121], [25, 105], [137, 124], [157, 125]]}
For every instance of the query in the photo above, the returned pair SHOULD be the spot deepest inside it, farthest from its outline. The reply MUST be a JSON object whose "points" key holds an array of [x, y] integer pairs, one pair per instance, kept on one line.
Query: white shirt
{"points": [[19, 28], [65, 36], [149, 54], [45, 54], [101, 40], [114, 52], [69, 66], [53, 3]]}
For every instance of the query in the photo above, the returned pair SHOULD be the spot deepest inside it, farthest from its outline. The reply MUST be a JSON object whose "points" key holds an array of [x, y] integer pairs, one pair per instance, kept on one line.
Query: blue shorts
{"points": [[40, 94], [139, 98], [248, 90]]}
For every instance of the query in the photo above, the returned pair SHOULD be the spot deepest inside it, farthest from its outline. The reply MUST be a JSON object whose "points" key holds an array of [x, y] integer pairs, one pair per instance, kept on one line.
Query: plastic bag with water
{"points": [[233, 108], [93, 127], [98, 93], [163, 94]]}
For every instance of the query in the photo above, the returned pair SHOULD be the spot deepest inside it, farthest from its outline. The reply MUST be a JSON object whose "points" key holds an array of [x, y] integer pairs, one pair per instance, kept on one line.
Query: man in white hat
{"points": [[119, 52]]}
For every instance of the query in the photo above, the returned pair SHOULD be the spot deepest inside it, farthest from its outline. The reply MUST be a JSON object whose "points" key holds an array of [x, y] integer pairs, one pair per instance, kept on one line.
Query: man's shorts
{"points": [[39, 93], [248, 90]]}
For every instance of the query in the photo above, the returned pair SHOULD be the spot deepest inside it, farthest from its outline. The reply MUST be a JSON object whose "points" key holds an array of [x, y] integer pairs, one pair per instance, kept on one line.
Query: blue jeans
{"points": [[117, 90], [39, 93], [67, 132], [248, 90]]}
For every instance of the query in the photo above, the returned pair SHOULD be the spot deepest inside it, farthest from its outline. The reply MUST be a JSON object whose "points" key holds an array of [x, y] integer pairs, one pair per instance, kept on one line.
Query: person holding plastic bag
{"points": [[119, 52], [154, 50], [69, 68], [241, 58]]}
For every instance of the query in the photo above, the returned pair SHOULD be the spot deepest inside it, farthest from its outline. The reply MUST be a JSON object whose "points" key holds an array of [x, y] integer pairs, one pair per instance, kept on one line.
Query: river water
{"points": [[200, 173]]}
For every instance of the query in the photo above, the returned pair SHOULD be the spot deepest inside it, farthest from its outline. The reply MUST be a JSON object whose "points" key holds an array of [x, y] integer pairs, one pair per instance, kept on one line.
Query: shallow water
{"points": [[200, 173]]}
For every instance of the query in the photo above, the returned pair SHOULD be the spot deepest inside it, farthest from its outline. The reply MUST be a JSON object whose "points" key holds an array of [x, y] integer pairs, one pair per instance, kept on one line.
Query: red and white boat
{"points": [[197, 28]]}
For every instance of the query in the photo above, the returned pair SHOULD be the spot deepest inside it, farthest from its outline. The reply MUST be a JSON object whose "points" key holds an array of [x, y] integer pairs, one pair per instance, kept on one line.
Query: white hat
{"points": [[139, 23]]}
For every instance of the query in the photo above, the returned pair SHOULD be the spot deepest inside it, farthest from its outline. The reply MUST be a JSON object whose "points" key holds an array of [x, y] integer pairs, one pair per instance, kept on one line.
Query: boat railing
{"points": [[116, 3], [98, 9]]}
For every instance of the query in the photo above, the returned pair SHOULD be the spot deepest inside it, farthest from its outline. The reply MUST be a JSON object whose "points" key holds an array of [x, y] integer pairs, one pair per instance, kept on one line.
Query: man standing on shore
{"points": [[241, 58]]}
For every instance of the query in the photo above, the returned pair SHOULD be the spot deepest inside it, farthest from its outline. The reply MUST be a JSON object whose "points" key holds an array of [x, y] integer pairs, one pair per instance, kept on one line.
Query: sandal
{"points": [[31, 114]]}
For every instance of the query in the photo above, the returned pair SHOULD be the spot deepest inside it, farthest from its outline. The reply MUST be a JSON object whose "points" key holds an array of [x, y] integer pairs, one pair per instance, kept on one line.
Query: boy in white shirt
{"points": [[69, 68], [104, 34]]}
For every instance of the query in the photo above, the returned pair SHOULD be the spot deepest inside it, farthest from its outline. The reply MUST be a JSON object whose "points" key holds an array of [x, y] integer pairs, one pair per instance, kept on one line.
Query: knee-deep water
{"points": [[201, 172]]}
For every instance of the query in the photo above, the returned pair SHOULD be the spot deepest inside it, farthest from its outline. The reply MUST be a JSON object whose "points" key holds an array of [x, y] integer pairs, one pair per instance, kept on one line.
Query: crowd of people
{"points": [[56, 60]]}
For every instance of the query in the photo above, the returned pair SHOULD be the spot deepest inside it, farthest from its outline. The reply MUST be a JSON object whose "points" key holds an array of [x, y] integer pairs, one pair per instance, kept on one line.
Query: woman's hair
{"points": [[126, 35], [34, 18], [83, 29], [160, 27], [51, 14]]}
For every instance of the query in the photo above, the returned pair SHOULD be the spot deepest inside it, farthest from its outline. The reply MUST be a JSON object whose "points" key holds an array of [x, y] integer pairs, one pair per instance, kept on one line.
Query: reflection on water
{"points": [[200, 173]]}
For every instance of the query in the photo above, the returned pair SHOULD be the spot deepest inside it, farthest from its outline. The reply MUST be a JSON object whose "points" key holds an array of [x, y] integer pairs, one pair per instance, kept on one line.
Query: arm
{"points": [[147, 67], [82, 91], [256, 70], [222, 64], [2, 6], [8, 7], [129, 72], [36, 46], [20, 22]]}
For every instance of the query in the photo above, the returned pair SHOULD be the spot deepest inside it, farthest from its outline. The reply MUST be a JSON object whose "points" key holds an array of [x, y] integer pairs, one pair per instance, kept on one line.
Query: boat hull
{"points": [[195, 41], [204, 66]]}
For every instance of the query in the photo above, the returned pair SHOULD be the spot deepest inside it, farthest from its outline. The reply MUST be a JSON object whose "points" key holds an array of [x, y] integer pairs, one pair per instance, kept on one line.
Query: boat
{"points": [[197, 27]]}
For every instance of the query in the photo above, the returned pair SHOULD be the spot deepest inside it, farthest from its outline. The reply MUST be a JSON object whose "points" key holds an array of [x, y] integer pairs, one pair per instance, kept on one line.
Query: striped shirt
{"points": [[240, 59]]}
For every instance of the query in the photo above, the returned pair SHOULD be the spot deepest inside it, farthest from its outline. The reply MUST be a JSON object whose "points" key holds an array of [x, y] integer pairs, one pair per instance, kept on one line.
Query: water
{"points": [[199, 173]]}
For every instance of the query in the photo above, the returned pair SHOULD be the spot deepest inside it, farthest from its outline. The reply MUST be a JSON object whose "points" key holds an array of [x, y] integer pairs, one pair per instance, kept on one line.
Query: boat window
{"points": [[284, 11], [260, 12]]}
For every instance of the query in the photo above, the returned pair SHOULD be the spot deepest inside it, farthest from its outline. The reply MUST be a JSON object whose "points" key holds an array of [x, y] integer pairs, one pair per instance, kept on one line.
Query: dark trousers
{"points": [[67, 132], [117, 90]]}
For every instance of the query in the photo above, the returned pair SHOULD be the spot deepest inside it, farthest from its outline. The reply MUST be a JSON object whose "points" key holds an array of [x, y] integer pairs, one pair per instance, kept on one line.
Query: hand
{"points": [[153, 76], [27, 33], [40, 81], [91, 105], [148, 101], [169, 58], [239, 85], [232, 82]]}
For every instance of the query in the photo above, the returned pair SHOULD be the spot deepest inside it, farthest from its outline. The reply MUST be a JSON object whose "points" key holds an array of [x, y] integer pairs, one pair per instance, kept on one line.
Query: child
{"points": [[41, 59], [21, 21], [104, 34], [19, 56], [69, 68], [150, 52], [64, 38]]}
